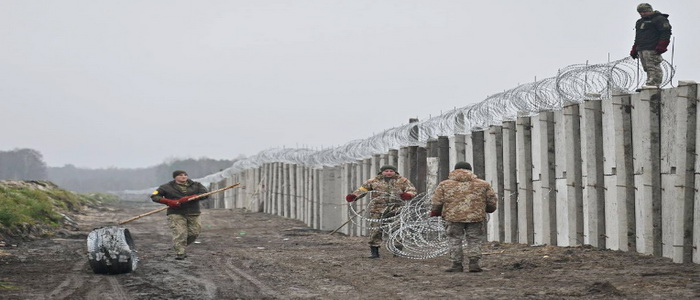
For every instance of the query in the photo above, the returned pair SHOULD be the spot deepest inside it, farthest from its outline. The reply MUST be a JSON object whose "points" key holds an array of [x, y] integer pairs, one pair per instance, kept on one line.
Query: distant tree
{"points": [[22, 164], [114, 179]]}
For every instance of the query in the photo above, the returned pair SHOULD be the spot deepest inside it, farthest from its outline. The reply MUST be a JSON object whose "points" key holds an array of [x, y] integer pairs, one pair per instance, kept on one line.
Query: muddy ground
{"points": [[244, 255]]}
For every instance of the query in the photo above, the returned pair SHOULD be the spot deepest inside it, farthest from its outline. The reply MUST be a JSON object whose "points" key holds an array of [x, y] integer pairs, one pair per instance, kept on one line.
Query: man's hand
{"points": [[185, 199], [170, 202], [633, 52], [406, 196], [350, 198], [661, 46], [435, 214]]}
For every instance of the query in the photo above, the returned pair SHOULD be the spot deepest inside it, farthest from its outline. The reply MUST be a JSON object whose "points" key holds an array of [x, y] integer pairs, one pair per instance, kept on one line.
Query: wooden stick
{"points": [[166, 207], [346, 222]]}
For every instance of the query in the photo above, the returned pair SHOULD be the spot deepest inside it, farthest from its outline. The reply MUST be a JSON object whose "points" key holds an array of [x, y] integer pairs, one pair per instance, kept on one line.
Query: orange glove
{"points": [[185, 199], [406, 196], [661, 46], [169, 202]]}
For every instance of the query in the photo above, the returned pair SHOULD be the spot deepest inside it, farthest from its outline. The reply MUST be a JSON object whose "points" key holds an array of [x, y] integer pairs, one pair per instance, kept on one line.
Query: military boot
{"points": [[456, 267], [374, 252], [474, 265]]}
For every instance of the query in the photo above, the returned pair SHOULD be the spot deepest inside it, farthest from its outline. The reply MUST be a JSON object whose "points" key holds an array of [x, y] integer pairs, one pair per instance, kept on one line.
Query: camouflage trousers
{"points": [[376, 230], [185, 229], [651, 63], [456, 233]]}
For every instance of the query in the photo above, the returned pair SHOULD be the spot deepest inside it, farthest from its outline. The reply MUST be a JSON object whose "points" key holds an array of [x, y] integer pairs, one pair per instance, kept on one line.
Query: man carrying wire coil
{"points": [[387, 192], [463, 200]]}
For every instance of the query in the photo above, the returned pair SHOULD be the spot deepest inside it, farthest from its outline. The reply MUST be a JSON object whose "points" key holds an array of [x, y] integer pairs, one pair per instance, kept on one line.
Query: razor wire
{"points": [[420, 236], [409, 232], [572, 84]]}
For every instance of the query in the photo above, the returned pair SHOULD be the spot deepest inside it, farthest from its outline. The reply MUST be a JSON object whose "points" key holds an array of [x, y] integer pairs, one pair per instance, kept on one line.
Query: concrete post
{"points": [[682, 204], [646, 144], [508, 204], [276, 187], [460, 146], [432, 181], [293, 192], [287, 190], [478, 164], [317, 200], [594, 205], [393, 158], [469, 149], [331, 214], [403, 162], [443, 147], [421, 169], [525, 191], [493, 157]]}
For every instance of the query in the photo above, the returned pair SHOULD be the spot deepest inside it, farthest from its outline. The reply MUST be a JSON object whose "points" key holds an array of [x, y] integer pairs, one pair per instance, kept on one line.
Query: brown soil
{"points": [[244, 255]]}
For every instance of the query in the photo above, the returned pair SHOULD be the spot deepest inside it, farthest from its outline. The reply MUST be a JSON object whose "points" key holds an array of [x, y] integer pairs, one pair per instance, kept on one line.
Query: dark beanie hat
{"points": [[387, 167], [463, 165], [644, 7], [178, 172]]}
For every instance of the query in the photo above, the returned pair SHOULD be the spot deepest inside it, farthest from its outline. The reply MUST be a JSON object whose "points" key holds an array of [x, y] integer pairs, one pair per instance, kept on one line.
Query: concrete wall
{"points": [[616, 174]]}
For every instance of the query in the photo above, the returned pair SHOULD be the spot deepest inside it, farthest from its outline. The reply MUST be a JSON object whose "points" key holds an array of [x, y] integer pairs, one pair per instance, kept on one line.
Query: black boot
{"points": [[474, 265], [374, 251], [456, 267]]}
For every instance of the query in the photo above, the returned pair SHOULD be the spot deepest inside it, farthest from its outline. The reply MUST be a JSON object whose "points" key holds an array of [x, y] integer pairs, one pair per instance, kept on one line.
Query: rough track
{"points": [[243, 255]]}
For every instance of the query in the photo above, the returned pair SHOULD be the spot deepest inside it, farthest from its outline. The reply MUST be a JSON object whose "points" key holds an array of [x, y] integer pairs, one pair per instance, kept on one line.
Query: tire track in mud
{"points": [[75, 284], [69, 285], [241, 284]]}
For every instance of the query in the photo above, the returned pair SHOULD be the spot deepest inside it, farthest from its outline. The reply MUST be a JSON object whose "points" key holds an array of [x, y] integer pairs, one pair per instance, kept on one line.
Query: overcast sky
{"points": [[131, 83]]}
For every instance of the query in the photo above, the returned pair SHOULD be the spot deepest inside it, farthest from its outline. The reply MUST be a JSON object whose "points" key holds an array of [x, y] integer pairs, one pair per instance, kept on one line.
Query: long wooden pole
{"points": [[166, 207], [346, 222]]}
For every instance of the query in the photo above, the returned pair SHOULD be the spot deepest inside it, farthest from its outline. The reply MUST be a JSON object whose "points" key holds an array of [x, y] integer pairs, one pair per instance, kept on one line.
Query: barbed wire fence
{"points": [[422, 237], [572, 84]]}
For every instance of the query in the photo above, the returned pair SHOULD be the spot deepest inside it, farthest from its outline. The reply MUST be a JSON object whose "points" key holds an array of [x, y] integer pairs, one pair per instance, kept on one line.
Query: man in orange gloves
{"points": [[183, 214]]}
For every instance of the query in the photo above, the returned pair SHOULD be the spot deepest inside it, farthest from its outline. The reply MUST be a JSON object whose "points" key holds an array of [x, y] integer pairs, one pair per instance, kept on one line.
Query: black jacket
{"points": [[650, 30], [171, 191]]}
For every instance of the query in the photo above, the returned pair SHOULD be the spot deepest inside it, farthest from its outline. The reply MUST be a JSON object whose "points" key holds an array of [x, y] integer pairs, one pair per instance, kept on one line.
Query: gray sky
{"points": [[132, 83]]}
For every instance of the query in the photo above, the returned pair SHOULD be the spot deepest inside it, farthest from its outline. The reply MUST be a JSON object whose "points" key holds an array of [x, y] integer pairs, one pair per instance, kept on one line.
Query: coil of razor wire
{"points": [[408, 229]]}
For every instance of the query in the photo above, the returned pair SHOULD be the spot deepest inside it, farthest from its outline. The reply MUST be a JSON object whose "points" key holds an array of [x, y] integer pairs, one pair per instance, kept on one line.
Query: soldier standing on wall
{"points": [[652, 36], [463, 201], [183, 215], [387, 190]]}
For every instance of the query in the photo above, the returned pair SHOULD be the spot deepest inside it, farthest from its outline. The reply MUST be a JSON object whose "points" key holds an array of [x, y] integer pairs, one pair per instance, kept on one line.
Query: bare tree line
{"points": [[28, 164]]}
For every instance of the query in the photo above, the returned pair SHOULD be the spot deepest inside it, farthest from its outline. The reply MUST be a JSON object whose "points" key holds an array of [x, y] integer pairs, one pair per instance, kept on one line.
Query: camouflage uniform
{"points": [[649, 30], [185, 229], [184, 220], [385, 201], [463, 200]]}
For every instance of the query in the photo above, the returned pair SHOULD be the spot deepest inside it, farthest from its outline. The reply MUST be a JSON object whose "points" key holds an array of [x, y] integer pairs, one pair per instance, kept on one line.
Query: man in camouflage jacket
{"points": [[463, 201], [183, 214], [387, 191]]}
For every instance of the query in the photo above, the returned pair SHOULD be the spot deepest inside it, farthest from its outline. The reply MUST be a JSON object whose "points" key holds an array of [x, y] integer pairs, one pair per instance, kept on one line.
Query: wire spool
{"points": [[111, 250]]}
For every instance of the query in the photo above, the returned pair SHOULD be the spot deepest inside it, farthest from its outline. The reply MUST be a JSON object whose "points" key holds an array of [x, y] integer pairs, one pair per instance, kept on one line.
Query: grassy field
{"points": [[41, 203]]}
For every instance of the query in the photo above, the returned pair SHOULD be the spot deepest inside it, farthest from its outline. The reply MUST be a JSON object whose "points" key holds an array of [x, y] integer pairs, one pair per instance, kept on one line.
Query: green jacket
{"points": [[171, 191], [650, 30]]}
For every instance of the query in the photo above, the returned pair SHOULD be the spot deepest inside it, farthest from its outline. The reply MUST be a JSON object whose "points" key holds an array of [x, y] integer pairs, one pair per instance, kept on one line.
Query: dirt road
{"points": [[243, 255]]}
